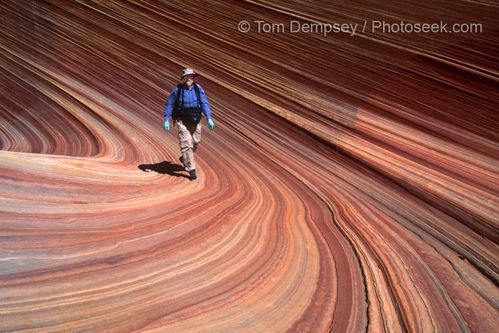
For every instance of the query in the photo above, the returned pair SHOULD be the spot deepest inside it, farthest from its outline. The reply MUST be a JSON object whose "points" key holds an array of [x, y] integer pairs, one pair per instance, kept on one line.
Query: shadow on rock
{"points": [[165, 167]]}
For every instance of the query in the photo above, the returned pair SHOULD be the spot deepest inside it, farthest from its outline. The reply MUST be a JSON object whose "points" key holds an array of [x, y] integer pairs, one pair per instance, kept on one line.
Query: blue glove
{"points": [[167, 125], [211, 124]]}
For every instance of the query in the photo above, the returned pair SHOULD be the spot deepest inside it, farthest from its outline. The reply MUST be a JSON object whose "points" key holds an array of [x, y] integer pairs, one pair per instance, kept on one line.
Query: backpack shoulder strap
{"points": [[198, 94], [180, 94]]}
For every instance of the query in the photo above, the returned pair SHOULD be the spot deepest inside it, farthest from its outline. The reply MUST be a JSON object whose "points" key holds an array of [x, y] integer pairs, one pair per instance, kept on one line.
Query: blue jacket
{"points": [[190, 100]]}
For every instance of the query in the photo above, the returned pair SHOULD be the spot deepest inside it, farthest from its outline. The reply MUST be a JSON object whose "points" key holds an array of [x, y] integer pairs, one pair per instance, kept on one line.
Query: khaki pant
{"points": [[189, 137]]}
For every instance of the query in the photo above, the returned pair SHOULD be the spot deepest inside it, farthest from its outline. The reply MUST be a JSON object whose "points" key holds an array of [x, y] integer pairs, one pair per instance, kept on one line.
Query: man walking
{"points": [[185, 105]]}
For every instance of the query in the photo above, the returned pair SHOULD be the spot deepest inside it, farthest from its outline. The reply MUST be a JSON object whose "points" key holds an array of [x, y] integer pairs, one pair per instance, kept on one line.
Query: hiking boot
{"points": [[192, 174]]}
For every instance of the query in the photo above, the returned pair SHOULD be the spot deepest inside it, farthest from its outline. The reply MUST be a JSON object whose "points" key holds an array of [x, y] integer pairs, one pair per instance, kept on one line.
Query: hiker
{"points": [[186, 103]]}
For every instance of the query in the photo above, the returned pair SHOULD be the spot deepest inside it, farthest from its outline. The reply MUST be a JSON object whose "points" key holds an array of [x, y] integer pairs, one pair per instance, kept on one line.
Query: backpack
{"points": [[190, 115]]}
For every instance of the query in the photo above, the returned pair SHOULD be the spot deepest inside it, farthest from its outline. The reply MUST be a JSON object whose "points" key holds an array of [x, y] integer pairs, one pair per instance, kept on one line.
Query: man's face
{"points": [[189, 80]]}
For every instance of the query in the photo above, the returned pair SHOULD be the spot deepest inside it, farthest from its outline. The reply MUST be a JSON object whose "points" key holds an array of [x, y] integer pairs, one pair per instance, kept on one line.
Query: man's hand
{"points": [[211, 124], [167, 125]]}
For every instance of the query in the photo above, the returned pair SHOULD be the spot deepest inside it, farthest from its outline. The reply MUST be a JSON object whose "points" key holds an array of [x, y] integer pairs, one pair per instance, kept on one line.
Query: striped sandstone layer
{"points": [[350, 184]]}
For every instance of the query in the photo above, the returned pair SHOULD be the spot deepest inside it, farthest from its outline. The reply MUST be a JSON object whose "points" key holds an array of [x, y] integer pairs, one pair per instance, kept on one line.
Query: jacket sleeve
{"points": [[170, 104], [205, 105]]}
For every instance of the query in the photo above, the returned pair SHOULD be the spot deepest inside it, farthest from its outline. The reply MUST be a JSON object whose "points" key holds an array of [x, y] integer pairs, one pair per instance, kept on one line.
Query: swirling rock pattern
{"points": [[350, 185]]}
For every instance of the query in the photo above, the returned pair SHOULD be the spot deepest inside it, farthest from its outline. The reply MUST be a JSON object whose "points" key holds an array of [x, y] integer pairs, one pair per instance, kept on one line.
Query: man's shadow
{"points": [[165, 167]]}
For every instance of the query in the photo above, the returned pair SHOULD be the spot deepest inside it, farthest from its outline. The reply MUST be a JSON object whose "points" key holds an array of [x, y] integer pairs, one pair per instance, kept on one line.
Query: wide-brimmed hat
{"points": [[188, 71]]}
